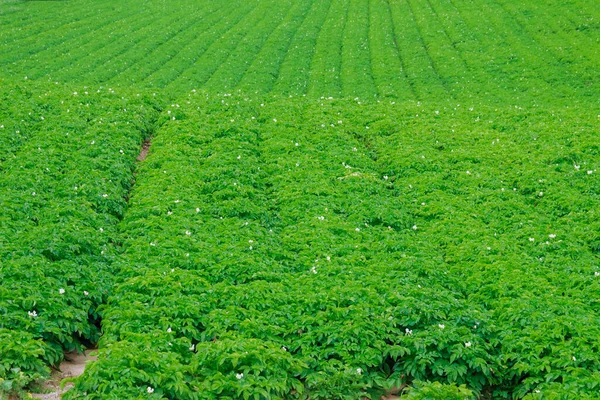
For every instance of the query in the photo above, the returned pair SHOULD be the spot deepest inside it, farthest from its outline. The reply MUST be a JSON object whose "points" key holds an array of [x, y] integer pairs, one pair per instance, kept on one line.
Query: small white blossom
{"points": [[531, 239], [467, 344], [576, 167], [150, 390], [442, 326], [61, 291], [359, 371], [86, 293], [101, 230], [541, 194], [105, 195], [408, 331], [169, 330], [192, 347], [152, 244], [357, 229], [385, 177], [33, 193], [321, 218], [32, 313], [590, 172], [313, 270], [596, 273], [239, 376], [415, 227], [188, 233], [574, 359], [552, 236]]}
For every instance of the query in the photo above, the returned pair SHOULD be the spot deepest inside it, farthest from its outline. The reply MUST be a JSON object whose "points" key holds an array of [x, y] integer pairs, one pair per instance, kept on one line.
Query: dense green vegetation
{"points": [[343, 198]]}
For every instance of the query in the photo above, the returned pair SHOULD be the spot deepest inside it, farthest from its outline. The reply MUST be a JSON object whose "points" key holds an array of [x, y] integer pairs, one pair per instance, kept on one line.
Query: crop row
{"points": [[410, 49], [291, 249], [66, 163]]}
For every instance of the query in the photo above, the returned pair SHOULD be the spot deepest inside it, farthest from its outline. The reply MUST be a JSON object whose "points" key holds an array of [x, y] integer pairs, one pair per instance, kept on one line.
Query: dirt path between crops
{"points": [[145, 149], [72, 366]]}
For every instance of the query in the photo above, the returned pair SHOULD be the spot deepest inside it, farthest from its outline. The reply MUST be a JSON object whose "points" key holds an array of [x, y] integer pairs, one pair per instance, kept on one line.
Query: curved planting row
{"points": [[66, 162]]}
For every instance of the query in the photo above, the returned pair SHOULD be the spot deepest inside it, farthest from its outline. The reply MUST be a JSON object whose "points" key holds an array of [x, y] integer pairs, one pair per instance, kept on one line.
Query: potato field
{"points": [[301, 199]]}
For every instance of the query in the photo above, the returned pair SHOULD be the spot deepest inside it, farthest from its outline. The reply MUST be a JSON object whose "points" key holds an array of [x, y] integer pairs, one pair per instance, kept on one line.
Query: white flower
{"points": [[93, 141], [354, 149], [552, 236], [385, 177], [590, 172], [101, 230], [359, 371], [284, 348], [442, 326], [328, 258], [313, 270], [169, 330], [169, 212], [86, 293], [250, 247], [192, 347], [105, 195], [274, 119], [152, 244], [33, 193], [188, 233], [297, 144], [357, 229], [250, 241], [197, 209], [321, 218], [408, 331], [32, 313], [239, 376], [61, 291], [467, 344], [415, 227], [150, 390], [74, 93], [576, 167], [541, 194], [596, 273], [531, 239], [574, 359], [239, 157], [468, 172]]}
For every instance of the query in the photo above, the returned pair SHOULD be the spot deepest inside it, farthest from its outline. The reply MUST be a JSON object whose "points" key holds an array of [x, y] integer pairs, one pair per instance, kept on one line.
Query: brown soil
{"points": [[145, 149], [72, 366]]}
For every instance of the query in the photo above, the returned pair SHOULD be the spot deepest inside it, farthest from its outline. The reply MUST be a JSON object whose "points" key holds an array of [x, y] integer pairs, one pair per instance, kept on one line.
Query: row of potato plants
{"points": [[66, 162], [290, 249], [509, 198], [264, 70], [233, 68]]}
